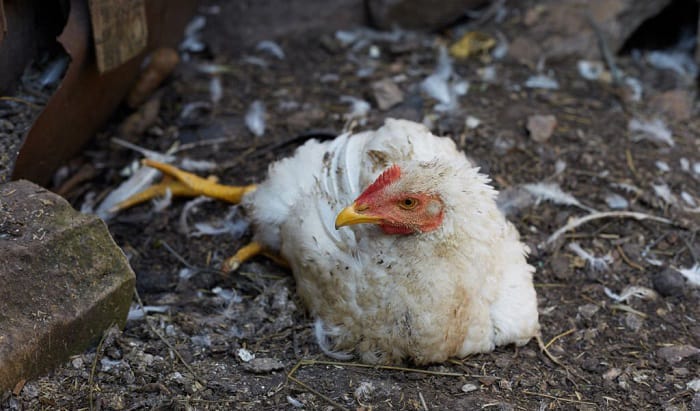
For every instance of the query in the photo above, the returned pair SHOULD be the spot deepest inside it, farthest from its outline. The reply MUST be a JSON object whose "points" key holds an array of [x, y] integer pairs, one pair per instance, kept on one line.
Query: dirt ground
{"points": [[193, 351]]}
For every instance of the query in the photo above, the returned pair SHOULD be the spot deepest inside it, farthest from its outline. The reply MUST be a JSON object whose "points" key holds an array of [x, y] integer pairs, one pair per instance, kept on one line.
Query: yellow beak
{"points": [[350, 216]]}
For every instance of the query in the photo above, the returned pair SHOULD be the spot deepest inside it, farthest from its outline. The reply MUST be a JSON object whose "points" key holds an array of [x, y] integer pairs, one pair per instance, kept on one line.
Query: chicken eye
{"points": [[408, 203]]}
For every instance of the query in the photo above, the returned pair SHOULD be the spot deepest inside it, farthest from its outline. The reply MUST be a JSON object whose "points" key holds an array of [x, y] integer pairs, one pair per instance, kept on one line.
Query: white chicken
{"points": [[396, 245]]}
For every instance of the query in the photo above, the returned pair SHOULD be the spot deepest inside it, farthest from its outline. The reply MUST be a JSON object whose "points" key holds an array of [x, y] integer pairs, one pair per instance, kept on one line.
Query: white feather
{"points": [[692, 274], [552, 192], [653, 130], [255, 118], [596, 264]]}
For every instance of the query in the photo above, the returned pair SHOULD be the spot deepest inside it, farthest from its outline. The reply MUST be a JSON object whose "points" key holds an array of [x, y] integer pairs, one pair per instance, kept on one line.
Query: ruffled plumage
{"points": [[457, 290]]}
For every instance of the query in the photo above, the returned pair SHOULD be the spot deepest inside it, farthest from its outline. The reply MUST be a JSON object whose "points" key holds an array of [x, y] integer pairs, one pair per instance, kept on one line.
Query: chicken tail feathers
{"points": [[324, 338]]}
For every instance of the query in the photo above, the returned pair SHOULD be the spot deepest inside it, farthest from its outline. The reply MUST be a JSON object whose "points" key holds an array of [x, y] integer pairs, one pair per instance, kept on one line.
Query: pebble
{"points": [[386, 93], [691, 385], [6, 125], [676, 104], [77, 363], [616, 201], [676, 353], [611, 374], [633, 321], [669, 282], [695, 403], [263, 365], [541, 127], [560, 267], [245, 355], [469, 387], [587, 311]]}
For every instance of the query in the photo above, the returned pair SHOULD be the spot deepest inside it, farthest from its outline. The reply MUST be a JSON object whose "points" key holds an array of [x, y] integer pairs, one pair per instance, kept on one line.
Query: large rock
{"points": [[64, 281], [563, 28], [418, 14]]}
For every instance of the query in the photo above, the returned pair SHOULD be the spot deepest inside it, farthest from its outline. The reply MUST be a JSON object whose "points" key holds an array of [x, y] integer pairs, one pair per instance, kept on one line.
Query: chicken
{"points": [[397, 247]]}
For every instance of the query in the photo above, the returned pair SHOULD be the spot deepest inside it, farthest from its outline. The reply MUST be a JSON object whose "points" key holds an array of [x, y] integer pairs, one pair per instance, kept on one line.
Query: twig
{"points": [[290, 376], [304, 362], [94, 365], [600, 215], [630, 163], [387, 367], [19, 100], [184, 262], [549, 355], [166, 342], [628, 309], [551, 397], [627, 260], [422, 401], [564, 334], [604, 49]]}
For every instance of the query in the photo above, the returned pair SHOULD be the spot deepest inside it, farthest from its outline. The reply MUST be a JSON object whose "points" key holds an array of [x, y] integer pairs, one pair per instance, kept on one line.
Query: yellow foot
{"points": [[247, 252], [185, 184], [244, 254]]}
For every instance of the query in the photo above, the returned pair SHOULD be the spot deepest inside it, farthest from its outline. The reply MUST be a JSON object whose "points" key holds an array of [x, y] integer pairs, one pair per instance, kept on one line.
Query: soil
{"points": [[196, 352]]}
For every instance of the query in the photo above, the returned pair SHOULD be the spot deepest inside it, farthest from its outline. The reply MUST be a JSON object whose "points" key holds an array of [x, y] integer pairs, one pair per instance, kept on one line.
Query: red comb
{"points": [[387, 177]]}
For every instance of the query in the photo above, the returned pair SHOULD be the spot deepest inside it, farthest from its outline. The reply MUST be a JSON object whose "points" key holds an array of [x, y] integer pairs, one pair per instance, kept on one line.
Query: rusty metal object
{"points": [[163, 62], [3, 21], [86, 99]]}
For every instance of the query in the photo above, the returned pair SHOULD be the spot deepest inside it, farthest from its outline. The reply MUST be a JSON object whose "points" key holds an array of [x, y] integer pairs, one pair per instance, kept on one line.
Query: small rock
{"points": [[695, 403], [386, 93], [469, 387], [676, 104], [263, 365], [590, 364], [560, 267], [472, 122], [77, 363], [681, 371], [677, 353], [669, 282], [611, 374], [541, 127], [6, 125], [245, 355], [616, 201], [525, 51], [633, 321], [691, 385], [587, 311]]}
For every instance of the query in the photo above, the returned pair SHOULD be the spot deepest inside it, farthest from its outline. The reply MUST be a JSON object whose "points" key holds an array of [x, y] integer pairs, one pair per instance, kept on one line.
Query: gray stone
{"points": [[562, 29], [64, 281], [386, 93], [669, 282], [263, 365], [674, 354], [418, 14], [541, 127]]}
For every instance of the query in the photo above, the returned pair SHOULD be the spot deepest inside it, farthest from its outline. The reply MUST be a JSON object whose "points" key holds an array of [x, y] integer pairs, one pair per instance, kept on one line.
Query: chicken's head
{"points": [[399, 203]]}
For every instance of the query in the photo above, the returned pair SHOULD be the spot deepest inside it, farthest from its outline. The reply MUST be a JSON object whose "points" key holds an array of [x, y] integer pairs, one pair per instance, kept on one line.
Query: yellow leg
{"points": [[244, 254], [176, 188], [247, 252], [181, 183], [205, 187]]}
